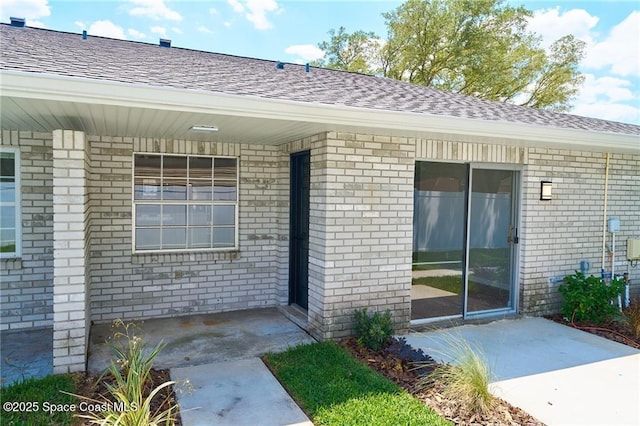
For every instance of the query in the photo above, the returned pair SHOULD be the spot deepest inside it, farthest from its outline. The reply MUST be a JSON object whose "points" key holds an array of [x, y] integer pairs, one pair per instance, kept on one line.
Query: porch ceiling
{"points": [[95, 119]]}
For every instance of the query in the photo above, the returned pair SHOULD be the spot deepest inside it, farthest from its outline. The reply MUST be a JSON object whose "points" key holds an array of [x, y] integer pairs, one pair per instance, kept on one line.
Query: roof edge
{"points": [[91, 91]]}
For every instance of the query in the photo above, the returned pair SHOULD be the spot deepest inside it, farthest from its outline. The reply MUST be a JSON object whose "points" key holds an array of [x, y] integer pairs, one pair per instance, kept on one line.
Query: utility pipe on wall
{"points": [[604, 212]]}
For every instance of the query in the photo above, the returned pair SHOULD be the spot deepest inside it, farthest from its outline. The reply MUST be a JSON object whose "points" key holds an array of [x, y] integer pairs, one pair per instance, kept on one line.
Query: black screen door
{"points": [[299, 229]]}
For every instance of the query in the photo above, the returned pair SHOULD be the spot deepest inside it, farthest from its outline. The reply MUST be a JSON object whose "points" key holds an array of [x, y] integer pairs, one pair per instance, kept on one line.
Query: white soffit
{"points": [[118, 109]]}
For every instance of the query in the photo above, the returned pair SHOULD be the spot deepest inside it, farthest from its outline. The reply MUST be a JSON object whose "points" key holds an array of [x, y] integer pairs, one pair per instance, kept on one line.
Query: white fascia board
{"points": [[102, 92]]}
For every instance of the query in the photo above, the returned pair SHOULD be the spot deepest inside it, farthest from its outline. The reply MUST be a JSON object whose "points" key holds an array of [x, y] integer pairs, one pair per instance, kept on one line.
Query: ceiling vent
{"points": [[165, 42], [17, 22]]}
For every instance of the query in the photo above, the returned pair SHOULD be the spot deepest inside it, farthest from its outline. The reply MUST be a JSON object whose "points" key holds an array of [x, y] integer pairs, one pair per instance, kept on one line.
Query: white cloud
{"points": [[80, 25], [307, 52], [161, 31], [205, 30], [28, 9], [620, 50], [551, 24], [227, 24], [606, 88], [154, 9], [135, 33], [36, 24], [256, 11], [605, 97], [614, 112], [213, 11], [235, 4], [106, 29], [176, 30]]}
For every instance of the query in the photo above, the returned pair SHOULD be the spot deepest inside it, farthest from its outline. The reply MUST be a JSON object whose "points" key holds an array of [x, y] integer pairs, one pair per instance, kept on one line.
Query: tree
{"points": [[355, 52], [480, 48]]}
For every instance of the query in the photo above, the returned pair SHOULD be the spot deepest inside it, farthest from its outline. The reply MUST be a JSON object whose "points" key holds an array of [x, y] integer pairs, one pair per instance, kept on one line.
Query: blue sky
{"points": [[290, 31]]}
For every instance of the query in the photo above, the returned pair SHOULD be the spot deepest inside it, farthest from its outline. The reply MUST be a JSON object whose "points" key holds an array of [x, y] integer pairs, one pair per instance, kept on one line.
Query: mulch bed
{"points": [[402, 372], [93, 387], [613, 330]]}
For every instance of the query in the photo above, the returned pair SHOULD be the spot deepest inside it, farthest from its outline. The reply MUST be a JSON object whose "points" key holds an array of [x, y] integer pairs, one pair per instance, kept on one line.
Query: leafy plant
{"points": [[373, 331], [632, 316], [589, 298], [131, 371], [466, 381]]}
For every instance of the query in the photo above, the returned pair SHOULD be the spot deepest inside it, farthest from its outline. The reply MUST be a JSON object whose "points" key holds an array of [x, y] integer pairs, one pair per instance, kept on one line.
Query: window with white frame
{"points": [[184, 202], [10, 232]]}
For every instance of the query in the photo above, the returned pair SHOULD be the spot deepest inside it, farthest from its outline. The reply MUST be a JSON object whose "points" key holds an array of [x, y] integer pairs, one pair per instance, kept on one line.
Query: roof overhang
{"points": [[44, 102]]}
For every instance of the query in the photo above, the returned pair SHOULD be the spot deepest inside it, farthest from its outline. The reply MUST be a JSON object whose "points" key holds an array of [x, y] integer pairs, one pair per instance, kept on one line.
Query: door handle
{"points": [[513, 238]]}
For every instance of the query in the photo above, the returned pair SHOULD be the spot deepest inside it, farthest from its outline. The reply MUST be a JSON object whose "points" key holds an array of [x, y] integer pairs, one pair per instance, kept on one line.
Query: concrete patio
{"points": [[558, 374]]}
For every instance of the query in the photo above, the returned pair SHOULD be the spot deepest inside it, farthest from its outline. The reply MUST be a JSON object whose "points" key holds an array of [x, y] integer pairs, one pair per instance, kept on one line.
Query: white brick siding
{"points": [[26, 289]]}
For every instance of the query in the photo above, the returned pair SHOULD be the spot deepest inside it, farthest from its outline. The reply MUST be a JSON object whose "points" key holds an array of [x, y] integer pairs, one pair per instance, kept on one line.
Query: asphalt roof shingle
{"points": [[54, 52]]}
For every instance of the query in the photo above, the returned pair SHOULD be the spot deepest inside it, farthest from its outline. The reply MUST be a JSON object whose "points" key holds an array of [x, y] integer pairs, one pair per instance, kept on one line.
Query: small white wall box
{"points": [[613, 225], [633, 249]]}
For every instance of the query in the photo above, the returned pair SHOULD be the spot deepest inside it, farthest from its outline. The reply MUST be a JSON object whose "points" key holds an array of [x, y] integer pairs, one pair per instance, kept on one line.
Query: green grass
{"points": [[478, 257], [451, 283], [44, 391], [8, 248], [333, 388]]}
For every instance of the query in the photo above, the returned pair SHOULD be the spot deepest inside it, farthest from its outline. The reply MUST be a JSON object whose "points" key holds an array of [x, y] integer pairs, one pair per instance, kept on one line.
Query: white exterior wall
{"points": [[26, 283], [558, 234], [137, 286], [360, 229]]}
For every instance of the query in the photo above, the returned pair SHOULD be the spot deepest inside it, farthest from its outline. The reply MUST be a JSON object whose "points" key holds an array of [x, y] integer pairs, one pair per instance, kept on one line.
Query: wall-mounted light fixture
{"points": [[204, 129], [545, 190]]}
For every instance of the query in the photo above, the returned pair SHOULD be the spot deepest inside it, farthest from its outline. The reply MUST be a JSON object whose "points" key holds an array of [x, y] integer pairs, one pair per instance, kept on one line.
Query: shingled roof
{"points": [[42, 51]]}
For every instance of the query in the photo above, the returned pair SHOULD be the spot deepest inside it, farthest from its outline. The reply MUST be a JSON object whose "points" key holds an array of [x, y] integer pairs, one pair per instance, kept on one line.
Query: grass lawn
{"points": [[333, 388], [451, 283], [35, 399]]}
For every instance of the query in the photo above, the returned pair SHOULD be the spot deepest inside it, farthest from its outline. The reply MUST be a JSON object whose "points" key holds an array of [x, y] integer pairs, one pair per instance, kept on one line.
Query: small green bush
{"points": [[373, 331], [589, 298]]}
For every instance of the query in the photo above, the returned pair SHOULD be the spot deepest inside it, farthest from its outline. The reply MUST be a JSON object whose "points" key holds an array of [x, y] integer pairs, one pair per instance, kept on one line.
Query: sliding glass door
{"points": [[464, 239]]}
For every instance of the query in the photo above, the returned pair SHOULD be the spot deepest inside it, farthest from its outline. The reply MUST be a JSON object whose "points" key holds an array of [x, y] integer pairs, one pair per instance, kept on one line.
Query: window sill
{"points": [[182, 257]]}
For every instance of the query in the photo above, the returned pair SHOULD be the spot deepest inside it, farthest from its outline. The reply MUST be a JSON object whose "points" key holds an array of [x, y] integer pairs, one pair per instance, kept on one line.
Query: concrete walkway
{"points": [[219, 356], [560, 375]]}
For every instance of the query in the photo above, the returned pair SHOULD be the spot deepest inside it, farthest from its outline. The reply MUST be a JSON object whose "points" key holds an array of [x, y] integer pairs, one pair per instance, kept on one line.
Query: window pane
{"points": [[174, 166], [224, 168], [200, 167], [7, 191], [147, 215], [199, 237], [223, 237], [174, 215], [147, 165], [147, 189], [200, 215], [200, 190], [148, 239], [7, 241], [7, 164], [174, 189], [225, 190], [224, 215], [7, 217], [174, 238]]}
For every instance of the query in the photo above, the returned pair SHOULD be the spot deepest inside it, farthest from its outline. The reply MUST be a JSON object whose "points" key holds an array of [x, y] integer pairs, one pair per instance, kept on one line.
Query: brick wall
{"points": [[558, 234], [26, 284], [360, 229], [161, 285]]}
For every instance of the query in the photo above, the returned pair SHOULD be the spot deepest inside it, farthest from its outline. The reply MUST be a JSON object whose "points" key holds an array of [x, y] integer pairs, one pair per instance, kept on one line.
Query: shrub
{"points": [[589, 298], [132, 374], [373, 331], [466, 382], [632, 316]]}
